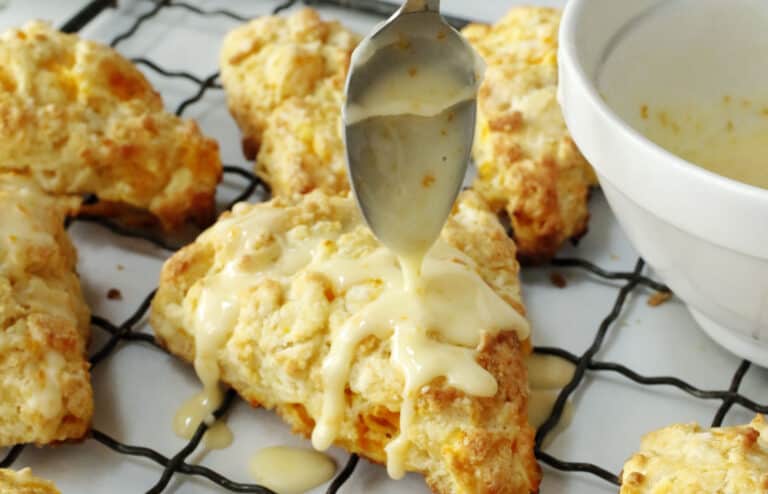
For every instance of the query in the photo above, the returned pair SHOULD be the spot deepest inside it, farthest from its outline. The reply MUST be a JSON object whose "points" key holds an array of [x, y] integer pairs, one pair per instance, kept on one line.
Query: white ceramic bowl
{"points": [[705, 235]]}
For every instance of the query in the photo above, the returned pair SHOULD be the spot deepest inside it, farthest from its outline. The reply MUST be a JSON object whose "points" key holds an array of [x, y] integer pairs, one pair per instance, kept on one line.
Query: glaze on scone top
{"points": [[288, 321]]}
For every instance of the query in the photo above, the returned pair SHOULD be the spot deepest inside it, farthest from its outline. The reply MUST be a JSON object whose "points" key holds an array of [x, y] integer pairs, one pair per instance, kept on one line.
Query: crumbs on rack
{"points": [[659, 298]]}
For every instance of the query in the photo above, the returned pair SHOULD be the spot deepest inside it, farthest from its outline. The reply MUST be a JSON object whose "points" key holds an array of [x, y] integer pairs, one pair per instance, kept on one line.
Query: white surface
{"points": [[704, 234], [138, 388]]}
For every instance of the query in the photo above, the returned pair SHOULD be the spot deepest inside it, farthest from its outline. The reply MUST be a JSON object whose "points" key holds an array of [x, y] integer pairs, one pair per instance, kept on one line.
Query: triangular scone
{"points": [[527, 163], [45, 388], [274, 349], [23, 482], [686, 459], [81, 120], [284, 78]]}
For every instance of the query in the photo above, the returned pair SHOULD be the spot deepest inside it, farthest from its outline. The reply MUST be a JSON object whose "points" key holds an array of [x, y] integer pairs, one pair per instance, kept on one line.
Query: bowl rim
{"points": [[568, 55]]}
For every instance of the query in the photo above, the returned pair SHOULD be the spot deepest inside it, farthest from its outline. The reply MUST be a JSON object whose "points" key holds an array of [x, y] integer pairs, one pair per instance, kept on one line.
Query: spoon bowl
{"points": [[409, 121]]}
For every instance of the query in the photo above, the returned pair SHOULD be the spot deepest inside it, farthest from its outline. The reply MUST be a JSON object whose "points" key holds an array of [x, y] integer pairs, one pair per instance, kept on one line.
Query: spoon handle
{"points": [[420, 6]]}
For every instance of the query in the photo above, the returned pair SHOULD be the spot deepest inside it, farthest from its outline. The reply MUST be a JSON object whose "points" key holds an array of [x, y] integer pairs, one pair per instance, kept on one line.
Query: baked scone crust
{"points": [[273, 358], [81, 120], [686, 459], [284, 78], [528, 165], [23, 482], [45, 389]]}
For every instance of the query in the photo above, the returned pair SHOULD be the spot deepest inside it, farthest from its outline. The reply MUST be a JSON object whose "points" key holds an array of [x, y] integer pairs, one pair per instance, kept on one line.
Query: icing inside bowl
{"points": [[692, 76]]}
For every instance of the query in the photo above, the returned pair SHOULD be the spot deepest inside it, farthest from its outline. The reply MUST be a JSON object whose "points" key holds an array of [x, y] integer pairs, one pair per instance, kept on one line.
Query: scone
{"points": [[685, 459], [82, 121], [305, 275], [45, 389], [284, 78], [528, 166], [23, 482]]}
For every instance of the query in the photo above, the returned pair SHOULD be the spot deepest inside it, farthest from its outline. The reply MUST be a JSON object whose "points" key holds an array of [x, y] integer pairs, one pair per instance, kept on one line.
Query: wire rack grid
{"points": [[586, 363]]}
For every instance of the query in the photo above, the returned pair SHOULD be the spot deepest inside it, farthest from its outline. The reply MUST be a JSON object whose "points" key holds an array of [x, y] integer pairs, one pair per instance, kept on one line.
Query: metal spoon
{"points": [[409, 121]]}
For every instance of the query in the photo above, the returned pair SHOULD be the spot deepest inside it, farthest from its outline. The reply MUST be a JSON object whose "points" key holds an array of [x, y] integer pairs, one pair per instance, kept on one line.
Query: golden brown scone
{"points": [[685, 459], [45, 389], [23, 482], [80, 119], [284, 78], [275, 353], [527, 163]]}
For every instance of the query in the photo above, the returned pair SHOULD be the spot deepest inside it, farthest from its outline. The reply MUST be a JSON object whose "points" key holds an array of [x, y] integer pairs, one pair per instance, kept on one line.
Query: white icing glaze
{"points": [[199, 409], [549, 372], [291, 470], [218, 436], [218, 305], [435, 328], [408, 134], [435, 332], [547, 375], [726, 137]]}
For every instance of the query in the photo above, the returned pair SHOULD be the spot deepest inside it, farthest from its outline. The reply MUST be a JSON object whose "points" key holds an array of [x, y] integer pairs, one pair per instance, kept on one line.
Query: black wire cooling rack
{"points": [[126, 332]]}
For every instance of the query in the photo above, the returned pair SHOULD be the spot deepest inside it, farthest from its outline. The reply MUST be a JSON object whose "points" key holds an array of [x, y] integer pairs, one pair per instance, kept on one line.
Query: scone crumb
{"points": [[114, 294], [659, 298], [558, 279]]}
